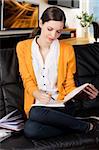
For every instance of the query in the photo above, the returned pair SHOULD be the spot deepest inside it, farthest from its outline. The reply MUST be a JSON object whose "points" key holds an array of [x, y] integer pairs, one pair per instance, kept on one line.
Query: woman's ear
{"points": [[40, 23]]}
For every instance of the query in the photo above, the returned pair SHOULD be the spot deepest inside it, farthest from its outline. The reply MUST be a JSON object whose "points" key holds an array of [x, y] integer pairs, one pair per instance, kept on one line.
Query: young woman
{"points": [[47, 67]]}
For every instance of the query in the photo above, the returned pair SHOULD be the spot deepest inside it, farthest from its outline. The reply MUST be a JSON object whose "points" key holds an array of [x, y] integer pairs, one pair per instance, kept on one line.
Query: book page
{"points": [[50, 105], [13, 127], [15, 122], [11, 119], [7, 116]]}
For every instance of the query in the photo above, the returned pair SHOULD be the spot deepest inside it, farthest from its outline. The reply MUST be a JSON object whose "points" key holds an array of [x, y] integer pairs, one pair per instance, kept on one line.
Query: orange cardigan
{"points": [[66, 70]]}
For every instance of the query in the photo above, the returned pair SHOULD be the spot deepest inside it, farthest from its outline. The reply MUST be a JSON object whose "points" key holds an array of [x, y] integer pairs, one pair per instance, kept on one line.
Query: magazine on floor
{"points": [[77, 92], [4, 134]]}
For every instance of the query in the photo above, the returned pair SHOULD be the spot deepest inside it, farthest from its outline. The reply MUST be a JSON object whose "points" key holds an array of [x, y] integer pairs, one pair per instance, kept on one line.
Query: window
{"points": [[94, 8]]}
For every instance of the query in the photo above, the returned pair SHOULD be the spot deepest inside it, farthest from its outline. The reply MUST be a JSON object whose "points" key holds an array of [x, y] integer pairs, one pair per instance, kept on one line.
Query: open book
{"points": [[73, 94]]}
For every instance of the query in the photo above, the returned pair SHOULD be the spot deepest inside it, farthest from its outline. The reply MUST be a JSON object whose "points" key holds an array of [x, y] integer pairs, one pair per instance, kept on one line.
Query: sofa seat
{"points": [[68, 142]]}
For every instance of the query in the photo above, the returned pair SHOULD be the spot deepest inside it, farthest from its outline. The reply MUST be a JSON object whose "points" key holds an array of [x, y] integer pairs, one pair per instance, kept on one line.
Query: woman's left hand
{"points": [[91, 91]]}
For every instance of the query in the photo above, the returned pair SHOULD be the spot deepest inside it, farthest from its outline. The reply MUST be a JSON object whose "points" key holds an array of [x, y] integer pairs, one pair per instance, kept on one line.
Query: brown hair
{"points": [[51, 13]]}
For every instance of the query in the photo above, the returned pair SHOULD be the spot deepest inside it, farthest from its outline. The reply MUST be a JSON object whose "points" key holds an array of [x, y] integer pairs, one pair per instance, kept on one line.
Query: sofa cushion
{"points": [[87, 61], [11, 87]]}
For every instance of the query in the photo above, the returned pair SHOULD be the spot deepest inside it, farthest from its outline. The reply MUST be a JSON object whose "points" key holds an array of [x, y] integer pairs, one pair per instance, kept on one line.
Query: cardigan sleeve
{"points": [[28, 78], [66, 71], [71, 69]]}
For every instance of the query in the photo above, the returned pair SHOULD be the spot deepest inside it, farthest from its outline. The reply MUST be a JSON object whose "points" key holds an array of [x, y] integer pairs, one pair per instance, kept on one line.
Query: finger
{"points": [[47, 93], [45, 101], [92, 90], [93, 87], [92, 95], [46, 96]]}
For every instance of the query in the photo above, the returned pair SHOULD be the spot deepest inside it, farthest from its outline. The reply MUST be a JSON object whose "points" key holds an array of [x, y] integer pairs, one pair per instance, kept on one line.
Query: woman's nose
{"points": [[53, 34]]}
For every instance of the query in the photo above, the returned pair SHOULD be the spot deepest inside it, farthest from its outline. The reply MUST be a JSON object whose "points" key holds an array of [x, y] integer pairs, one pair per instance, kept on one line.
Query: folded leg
{"points": [[57, 119]]}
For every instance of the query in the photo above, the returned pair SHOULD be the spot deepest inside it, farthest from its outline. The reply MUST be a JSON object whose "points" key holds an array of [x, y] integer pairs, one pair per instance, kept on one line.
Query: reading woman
{"points": [[47, 67]]}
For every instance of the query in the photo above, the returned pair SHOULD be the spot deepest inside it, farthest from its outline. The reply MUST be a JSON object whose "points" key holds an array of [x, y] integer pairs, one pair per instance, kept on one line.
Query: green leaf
{"points": [[85, 19]]}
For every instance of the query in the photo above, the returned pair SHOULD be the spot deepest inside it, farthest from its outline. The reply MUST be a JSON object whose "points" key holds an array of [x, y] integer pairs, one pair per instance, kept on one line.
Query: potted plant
{"points": [[85, 21]]}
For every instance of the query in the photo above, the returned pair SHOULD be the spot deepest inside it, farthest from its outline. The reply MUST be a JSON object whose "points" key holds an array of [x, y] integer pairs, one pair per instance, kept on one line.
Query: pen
{"points": [[52, 98], [49, 94]]}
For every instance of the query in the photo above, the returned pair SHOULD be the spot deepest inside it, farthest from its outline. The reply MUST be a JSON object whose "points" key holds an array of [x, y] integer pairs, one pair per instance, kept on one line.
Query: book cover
{"points": [[76, 92]]}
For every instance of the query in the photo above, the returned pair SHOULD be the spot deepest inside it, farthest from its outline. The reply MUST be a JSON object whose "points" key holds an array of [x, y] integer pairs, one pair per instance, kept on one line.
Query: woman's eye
{"points": [[58, 32], [49, 29]]}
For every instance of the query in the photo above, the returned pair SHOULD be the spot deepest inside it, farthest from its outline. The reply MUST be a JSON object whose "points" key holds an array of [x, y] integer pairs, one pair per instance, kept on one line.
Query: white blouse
{"points": [[46, 73]]}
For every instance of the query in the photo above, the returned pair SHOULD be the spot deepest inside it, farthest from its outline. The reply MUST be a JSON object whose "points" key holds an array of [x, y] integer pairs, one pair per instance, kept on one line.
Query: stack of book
{"points": [[9, 124]]}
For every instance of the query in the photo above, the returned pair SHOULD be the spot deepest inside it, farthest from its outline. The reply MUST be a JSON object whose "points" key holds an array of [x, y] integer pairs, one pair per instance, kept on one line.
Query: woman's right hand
{"points": [[42, 96]]}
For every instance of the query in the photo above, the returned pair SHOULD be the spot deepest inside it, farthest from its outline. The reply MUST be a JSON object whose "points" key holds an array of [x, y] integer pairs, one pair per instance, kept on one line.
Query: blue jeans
{"points": [[47, 122]]}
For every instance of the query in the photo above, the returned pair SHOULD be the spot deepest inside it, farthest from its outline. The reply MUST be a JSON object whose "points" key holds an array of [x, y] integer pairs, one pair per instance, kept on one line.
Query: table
{"points": [[78, 41]]}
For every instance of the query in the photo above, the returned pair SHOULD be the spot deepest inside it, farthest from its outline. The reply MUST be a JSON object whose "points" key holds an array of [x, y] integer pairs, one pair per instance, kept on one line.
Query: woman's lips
{"points": [[50, 39]]}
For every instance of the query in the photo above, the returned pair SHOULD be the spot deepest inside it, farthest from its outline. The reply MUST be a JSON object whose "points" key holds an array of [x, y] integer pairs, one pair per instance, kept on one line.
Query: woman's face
{"points": [[51, 30]]}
